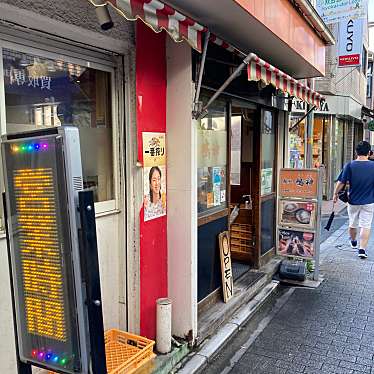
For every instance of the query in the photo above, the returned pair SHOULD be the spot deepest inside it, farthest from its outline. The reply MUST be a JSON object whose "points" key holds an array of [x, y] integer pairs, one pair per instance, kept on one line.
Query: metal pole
{"points": [[303, 117], [235, 74], [308, 138], [317, 234], [91, 274], [203, 57]]}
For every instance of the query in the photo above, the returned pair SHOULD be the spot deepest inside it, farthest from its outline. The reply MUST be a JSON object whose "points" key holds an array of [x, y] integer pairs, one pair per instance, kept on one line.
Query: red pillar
{"points": [[151, 117]]}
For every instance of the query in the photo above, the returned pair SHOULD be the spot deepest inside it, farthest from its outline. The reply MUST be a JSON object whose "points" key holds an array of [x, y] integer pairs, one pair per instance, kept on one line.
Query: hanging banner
{"points": [[333, 11], [154, 164], [350, 42]]}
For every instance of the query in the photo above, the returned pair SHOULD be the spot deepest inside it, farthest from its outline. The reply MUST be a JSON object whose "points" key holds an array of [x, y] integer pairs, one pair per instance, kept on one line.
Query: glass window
{"points": [[236, 144], [338, 147], [42, 93], [267, 153], [364, 60], [212, 161], [296, 142], [369, 88]]}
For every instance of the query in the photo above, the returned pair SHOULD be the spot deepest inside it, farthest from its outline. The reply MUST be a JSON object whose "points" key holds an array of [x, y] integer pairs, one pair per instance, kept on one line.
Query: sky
{"points": [[371, 10]]}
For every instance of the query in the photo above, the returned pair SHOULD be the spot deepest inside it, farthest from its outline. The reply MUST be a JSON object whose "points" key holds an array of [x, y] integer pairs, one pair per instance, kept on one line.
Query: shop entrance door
{"points": [[243, 171], [266, 214], [253, 155]]}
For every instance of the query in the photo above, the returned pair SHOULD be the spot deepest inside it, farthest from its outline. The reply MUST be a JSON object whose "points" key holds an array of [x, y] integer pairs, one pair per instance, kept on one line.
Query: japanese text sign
{"points": [[299, 183], [332, 11], [154, 151]]}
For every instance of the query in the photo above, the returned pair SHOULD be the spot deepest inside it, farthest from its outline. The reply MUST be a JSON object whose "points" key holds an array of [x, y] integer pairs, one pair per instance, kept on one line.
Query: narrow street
{"points": [[158, 159], [326, 330]]}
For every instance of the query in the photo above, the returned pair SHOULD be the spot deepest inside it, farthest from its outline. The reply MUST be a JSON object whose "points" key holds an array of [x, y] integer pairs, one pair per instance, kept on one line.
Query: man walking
{"points": [[359, 174]]}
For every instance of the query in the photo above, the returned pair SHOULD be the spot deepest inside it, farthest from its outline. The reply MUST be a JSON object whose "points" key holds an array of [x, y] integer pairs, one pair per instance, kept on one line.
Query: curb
{"points": [[198, 360]]}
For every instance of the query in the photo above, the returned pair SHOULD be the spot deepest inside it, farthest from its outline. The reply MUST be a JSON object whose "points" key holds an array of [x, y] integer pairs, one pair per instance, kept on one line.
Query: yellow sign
{"points": [[40, 252], [154, 150]]}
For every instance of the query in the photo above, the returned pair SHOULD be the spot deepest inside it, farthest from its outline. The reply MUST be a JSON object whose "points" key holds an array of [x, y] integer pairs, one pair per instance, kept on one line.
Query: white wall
{"points": [[108, 247], [182, 190]]}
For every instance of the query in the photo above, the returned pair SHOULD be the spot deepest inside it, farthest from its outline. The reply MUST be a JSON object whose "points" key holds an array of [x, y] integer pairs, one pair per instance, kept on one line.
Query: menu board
{"points": [[298, 183], [298, 207]]}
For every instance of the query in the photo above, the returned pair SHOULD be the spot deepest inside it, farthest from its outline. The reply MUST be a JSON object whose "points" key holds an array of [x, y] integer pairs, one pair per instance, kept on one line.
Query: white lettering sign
{"points": [[350, 42]]}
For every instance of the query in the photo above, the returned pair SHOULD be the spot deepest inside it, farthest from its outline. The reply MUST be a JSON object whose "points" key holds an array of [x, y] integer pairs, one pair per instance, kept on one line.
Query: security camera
{"points": [[103, 16]]}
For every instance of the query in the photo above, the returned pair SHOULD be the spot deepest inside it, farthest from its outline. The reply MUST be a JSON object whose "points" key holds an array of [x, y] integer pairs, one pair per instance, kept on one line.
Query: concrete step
{"points": [[197, 360], [245, 289]]}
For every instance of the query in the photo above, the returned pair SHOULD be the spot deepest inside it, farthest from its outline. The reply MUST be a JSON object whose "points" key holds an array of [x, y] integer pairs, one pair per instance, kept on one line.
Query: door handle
{"points": [[247, 201]]}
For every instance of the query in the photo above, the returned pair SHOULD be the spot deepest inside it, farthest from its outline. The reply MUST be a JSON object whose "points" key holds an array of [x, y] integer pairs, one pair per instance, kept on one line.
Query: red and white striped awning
{"points": [[260, 70], [159, 16]]}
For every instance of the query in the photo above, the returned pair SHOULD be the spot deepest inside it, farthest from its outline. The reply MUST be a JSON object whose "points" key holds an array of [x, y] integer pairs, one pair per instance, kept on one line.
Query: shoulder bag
{"points": [[343, 195]]}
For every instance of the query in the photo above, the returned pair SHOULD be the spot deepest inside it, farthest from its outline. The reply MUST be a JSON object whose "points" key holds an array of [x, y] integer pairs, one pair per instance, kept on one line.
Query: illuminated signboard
{"points": [[43, 176]]}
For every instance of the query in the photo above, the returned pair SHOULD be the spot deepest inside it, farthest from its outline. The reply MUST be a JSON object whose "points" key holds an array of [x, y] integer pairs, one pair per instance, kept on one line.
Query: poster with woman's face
{"points": [[154, 192], [154, 161]]}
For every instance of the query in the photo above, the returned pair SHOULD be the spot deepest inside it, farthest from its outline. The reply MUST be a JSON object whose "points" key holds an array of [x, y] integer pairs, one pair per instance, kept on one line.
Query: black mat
{"points": [[238, 269]]}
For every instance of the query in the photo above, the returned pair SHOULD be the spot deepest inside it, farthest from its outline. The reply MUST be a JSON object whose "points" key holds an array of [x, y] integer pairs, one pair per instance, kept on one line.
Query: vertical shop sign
{"points": [[332, 11], [350, 42], [154, 164]]}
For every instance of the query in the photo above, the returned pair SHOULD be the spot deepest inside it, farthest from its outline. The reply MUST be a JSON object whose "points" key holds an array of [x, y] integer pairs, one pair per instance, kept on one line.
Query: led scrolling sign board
{"points": [[41, 185]]}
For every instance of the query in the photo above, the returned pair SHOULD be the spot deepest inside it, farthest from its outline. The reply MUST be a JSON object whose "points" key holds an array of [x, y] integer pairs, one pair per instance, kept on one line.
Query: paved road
{"points": [[337, 223], [322, 331]]}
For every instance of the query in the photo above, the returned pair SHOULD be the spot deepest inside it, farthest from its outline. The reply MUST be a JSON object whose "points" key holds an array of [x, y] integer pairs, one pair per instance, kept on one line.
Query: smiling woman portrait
{"points": [[155, 201]]}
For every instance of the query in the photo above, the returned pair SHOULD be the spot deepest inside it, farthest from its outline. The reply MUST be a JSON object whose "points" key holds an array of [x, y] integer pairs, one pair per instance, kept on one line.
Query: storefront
{"points": [[50, 78], [337, 128], [117, 87], [322, 130], [240, 148]]}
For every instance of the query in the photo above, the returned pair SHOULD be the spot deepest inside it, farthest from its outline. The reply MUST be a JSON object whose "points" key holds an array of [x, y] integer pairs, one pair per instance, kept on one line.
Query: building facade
{"points": [[345, 91], [58, 68]]}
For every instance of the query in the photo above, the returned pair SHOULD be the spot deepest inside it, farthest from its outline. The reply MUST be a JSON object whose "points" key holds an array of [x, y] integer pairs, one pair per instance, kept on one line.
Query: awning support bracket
{"points": [[303, 117], [204, 110], [197, 104]]}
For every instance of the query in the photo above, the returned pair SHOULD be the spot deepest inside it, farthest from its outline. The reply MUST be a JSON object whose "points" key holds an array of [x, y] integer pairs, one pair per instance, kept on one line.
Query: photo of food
{"points": [[297, 213], [296, 243]]}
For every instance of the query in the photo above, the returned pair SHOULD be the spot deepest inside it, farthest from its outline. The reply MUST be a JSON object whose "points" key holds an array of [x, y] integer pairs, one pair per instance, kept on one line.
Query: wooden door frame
{"points": [[262, 258]]}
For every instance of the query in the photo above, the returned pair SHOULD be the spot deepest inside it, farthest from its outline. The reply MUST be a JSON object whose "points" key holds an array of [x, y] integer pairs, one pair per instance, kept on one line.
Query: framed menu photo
{"points": [[296, 213], [296, 243]]}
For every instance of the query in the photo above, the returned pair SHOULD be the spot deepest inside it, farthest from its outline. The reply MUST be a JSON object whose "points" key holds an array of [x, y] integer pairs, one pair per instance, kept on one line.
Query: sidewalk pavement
{"points": [[326, 330], [327, 205]]}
